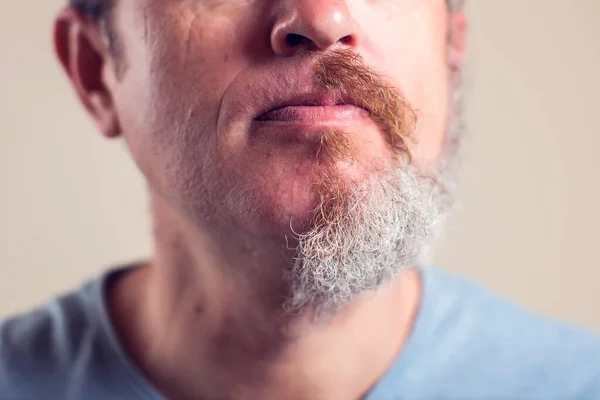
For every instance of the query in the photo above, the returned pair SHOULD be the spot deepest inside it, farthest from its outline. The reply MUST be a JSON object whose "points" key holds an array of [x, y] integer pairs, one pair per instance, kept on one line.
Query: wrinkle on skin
{"points": [[145, 14], [206, 19], [188, 37], [226, 6]]}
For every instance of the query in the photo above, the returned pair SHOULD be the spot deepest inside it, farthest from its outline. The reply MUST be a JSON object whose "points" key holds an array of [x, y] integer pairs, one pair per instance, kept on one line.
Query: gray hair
{"points": [[455, 5]]}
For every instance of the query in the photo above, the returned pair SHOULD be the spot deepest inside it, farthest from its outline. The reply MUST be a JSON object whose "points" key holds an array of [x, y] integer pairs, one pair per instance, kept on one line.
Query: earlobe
{"points": [[105, 115], [458, 40], [81, 52]]}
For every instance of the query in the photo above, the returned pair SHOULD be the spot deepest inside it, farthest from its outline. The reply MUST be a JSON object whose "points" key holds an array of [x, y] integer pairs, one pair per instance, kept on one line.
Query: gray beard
{"points": [[387, 223]]}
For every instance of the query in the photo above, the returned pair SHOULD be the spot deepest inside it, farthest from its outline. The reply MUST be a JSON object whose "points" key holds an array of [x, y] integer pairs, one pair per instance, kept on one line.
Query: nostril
{"points": [[346, 39], [293, 39]]}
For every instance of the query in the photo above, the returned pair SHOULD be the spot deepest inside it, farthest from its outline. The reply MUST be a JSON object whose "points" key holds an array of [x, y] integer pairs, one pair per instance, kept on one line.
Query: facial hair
{"points": [[363, 234]]}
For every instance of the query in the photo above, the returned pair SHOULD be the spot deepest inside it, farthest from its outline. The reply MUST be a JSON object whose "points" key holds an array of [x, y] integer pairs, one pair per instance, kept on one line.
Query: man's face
{"points": [[201, 85]]}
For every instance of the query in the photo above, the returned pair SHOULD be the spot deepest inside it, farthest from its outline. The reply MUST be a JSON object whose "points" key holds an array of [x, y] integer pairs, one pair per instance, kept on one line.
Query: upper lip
{"points": [[316, 99]]}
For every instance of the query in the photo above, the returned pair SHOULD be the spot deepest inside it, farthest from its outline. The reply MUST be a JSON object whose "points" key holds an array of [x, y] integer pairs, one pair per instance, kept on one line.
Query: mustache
{"points": [[342, 71]]}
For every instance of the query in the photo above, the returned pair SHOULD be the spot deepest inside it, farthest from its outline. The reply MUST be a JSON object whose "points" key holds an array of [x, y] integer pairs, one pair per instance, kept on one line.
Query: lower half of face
{"points": [[264, 143], [273, 177], [268, 178]]}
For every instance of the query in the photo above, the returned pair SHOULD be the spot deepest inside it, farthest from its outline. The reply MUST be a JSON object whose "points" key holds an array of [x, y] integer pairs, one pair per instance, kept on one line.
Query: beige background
{"points": [[72, 203]]}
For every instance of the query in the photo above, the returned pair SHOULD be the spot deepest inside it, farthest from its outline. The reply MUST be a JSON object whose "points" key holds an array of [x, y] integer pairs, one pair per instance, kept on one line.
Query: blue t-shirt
{"points": [[466, 344]]}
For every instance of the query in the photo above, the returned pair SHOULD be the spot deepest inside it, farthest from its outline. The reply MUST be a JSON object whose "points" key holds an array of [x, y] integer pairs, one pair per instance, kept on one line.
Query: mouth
{"points": [[322, 109]]}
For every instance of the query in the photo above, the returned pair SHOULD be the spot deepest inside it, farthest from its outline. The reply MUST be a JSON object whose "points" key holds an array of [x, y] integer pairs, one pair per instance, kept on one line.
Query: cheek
{"points": [[411, 42], [429, 93], [174, 88], [189, 64]]}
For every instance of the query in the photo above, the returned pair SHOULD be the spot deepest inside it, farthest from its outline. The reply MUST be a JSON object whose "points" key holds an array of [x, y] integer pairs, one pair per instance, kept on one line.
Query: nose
{"points": [[314, 25]]}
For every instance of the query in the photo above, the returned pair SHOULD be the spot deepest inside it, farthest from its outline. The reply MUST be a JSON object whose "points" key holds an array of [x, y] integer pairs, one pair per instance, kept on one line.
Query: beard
{"points": [[364, 234]]}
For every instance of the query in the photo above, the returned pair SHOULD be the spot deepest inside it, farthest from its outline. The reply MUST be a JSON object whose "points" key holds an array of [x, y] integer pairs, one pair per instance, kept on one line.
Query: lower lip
{"points": [[337, 115]]}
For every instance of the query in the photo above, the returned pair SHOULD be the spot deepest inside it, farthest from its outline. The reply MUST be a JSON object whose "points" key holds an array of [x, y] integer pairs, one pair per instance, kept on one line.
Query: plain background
{"points": [[72, 204]]}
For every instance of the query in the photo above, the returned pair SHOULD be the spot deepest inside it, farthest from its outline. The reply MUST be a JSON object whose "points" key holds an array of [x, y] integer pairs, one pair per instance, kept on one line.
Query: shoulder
{"points": [[499, 348], [40, 348]]}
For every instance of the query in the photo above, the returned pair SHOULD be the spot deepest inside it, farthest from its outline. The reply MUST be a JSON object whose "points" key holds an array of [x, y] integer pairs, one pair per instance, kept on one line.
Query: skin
{"points": [[201, 319]]}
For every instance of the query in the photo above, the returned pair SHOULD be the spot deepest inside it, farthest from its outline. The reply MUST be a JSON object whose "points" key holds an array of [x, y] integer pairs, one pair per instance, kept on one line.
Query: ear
{"points": [[84, 57], [457, 39]]}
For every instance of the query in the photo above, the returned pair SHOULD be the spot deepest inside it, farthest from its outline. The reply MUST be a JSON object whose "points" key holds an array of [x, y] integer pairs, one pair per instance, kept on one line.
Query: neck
{"points": [[209, 323]]}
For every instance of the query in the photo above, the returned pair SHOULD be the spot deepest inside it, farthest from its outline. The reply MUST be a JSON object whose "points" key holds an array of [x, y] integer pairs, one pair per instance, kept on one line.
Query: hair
{"points": [[455, 5], [93, 9]]}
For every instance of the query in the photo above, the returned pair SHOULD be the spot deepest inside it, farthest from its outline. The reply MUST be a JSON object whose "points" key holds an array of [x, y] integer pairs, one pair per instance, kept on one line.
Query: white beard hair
{"points": [[387, 223]]}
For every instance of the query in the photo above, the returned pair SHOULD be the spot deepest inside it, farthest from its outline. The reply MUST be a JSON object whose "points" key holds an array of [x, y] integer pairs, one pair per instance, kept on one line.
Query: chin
{"points": [[291, 202], [290, 206]]}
